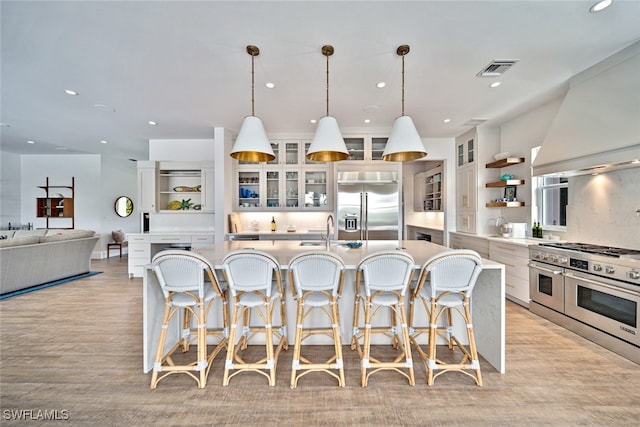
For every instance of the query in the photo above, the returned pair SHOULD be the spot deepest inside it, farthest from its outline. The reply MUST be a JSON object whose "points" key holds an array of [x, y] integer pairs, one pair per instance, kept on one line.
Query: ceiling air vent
{"points": [[474, 122], [497, 67]]}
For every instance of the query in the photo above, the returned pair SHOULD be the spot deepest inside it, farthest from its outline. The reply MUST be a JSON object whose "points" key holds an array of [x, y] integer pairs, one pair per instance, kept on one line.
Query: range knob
{"points": [[635, 275], [597, 267], [554, 258], [544, 257], [609, 270]]}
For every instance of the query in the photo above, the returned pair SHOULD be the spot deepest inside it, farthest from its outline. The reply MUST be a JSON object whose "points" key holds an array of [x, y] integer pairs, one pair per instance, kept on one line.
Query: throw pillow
{"points": [[118, 236]]}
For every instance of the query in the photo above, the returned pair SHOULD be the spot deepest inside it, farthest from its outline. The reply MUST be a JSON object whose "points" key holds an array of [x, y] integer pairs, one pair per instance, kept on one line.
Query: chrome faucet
{"points": [[329, 219], [499, 221]]}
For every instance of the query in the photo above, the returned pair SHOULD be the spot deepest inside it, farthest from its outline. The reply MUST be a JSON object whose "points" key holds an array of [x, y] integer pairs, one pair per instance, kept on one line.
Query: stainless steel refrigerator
{"points": [[368, 206]]}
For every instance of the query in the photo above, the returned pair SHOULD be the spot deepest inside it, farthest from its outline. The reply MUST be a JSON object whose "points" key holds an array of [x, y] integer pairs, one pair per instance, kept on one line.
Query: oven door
{"points": [[603, 304], [546, 285]]}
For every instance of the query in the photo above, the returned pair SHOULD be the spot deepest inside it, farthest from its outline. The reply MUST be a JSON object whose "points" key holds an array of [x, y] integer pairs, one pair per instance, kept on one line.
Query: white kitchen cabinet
{"points": [[365, 149], [289, 182], [317, 189], [474, 147], [515, 257], [468, 241], [142, 247], [139, 253], [146, 186], [287, 151], [466, 199], [465, 151]]}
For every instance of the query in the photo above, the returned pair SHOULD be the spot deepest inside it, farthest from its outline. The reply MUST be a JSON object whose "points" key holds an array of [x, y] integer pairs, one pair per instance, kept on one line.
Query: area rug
{"points": [[48, 285]]}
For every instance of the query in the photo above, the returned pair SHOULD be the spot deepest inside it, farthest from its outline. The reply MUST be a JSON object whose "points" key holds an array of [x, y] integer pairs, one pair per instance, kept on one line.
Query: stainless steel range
{"points": [[589, 289]]}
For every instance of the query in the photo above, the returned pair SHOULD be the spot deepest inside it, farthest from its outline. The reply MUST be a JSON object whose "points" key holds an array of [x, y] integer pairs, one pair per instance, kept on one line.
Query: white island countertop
{"points": [[488, 301]]}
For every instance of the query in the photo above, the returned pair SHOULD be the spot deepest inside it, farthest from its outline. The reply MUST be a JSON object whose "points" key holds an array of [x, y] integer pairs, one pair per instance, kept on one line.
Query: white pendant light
{"points": [[328, 144], [404, 143], [252, 144]]}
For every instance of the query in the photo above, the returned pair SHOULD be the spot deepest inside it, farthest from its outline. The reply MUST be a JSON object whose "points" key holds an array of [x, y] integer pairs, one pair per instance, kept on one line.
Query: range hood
{"points": [[597, 127]]}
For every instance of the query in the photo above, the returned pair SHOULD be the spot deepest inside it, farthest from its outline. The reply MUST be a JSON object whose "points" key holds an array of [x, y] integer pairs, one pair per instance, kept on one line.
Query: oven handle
{"points": [[604, 285], [546, 270]]}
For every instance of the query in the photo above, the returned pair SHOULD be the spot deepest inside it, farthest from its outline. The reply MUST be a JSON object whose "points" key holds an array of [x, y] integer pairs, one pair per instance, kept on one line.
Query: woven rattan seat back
{"points": [[316, 271]]}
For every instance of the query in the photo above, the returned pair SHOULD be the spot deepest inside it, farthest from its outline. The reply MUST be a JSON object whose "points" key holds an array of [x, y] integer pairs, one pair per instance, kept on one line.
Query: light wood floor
{"points": [[77, 348]]}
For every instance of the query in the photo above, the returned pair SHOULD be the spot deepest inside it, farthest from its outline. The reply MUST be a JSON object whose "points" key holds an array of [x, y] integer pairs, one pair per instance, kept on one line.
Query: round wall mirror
{"points": [[123, 206]]}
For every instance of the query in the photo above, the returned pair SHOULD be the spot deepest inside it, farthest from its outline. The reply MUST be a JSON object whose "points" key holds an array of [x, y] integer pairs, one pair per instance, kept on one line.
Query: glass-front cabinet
{"points": [[365, 148], [249, 191], [316, 194], [289, 182]]}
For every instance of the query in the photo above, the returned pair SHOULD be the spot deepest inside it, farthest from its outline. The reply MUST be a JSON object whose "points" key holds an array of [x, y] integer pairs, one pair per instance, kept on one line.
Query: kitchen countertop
{"points": [[172, 233], [521, 242]]}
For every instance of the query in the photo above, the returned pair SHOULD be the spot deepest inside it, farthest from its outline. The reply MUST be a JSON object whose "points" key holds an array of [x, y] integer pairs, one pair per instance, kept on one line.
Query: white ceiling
{"points": [[184, 65]]}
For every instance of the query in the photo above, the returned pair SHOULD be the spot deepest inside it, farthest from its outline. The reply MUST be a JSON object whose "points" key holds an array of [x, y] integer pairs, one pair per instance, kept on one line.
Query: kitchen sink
{"points": [[311, 243], [322, 243]]}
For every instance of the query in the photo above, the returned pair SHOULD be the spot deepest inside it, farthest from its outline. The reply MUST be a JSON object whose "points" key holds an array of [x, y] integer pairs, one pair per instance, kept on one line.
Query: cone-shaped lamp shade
{"points": [[252, 144], [328, 144], [404, 143]]}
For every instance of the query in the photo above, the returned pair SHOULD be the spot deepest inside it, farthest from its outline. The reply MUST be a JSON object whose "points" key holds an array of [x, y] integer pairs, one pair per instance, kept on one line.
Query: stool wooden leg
{"points": [[295, 363], [364, 363], [406, 343], [231, 345], [432, 342], [337, 340], [475, 362], [159, 352]]}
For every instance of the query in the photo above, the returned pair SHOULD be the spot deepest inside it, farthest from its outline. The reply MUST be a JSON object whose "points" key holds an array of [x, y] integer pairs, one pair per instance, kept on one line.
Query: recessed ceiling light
{"points": [[381, 85], [270, 85], [312, 120], [103, 107], [601, 5], [103, 141], [152, 123], [71, 92], [367, 120], [31, 142], [495, 84], [446, 121]]}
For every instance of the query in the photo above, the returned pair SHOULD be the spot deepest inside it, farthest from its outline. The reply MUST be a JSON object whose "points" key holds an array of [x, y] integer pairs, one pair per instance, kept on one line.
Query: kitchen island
{"points": [[488, 302]]}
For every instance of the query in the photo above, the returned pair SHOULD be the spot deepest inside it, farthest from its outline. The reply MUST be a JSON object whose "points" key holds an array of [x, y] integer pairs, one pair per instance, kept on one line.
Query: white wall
{"points": [[119, 178], [10, 176], [98, 182], [602, 209]]}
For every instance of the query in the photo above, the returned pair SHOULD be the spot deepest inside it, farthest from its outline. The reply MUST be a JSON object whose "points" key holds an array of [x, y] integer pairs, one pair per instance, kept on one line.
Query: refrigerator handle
{"points": [[361, 216], [366, 216]]}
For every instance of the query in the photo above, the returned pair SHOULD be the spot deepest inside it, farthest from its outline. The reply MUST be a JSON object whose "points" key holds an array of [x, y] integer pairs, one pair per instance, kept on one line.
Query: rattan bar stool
{"points": [[316, 279], [444, 287], [181, 276], [250, 277], [382, 282]]}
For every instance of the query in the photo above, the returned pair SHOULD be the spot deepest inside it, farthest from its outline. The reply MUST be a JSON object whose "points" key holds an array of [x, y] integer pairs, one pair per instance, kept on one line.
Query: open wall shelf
{"points": [[56, 205]]}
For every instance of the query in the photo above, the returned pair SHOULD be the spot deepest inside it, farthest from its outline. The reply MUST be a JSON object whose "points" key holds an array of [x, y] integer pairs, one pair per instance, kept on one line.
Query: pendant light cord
{"points": [[252, 85], [403, 85], [327, 56]]}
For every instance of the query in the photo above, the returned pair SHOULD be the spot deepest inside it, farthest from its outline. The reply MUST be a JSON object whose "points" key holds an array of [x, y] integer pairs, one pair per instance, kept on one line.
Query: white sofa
{"points": [[33, 257]]}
